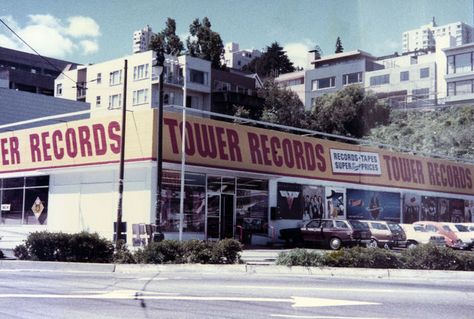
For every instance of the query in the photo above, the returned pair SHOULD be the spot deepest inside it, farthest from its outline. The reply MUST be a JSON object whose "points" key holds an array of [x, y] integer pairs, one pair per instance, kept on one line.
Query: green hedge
{"points": [[225, 251], [89, 247], [421, 257], [80, 247]]}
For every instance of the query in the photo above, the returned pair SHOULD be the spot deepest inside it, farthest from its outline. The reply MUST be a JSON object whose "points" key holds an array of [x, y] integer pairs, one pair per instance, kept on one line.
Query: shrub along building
{"points": [[238, 179]]}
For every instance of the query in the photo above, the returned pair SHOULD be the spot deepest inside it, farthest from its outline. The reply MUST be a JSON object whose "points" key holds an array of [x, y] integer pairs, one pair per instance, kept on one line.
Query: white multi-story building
{"points": [[459, 74], [142, 39], [235, 58], [101, 84], [426, 36]]}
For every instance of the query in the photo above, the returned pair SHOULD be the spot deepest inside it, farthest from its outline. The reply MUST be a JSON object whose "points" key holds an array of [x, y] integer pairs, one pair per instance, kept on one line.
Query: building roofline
{"points": [[467, 45], [343, 55]]}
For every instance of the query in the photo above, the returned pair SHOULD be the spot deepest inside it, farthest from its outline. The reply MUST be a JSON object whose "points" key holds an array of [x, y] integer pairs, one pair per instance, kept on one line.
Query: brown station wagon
{"points": [[336, 233]]}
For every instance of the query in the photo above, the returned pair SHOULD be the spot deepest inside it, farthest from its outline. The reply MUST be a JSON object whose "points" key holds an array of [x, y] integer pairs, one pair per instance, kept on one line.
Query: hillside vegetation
{"points": [[448, 131]]}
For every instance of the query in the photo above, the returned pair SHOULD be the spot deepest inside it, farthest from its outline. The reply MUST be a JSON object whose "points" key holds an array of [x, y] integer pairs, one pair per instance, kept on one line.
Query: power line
{"points": [[42, 57]]}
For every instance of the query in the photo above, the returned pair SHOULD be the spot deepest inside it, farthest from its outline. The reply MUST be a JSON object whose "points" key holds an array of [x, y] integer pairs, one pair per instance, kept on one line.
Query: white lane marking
{"points": [[322, 317], [297, 302]]}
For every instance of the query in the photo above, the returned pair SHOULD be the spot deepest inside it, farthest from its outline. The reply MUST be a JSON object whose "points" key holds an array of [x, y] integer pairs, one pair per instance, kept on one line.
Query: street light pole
{"points": [[157, 235], [183, 156], [122, 159]]}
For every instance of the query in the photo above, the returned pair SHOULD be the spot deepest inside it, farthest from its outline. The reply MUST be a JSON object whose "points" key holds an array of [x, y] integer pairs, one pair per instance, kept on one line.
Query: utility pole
{"points": [[160, 59], [122, 158]]}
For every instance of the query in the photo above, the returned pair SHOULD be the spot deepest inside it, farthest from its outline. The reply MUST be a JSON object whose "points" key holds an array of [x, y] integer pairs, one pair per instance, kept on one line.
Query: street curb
{"points": [[326, 272]]}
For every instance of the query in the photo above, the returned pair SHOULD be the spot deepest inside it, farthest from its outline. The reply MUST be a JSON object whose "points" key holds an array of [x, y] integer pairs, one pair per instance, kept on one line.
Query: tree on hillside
{"points": [[167, 40], [273, 62], [205, 43], [350, 111], [281, 105], [339, 47], [446, 131]]}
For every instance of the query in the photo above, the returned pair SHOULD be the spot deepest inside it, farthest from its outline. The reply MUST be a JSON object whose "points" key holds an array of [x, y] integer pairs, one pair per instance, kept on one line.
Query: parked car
{"points": [[417, 234], [399, 236], [291, 236], [382, 236], [462, 232], [336, 233], [451, 239]]}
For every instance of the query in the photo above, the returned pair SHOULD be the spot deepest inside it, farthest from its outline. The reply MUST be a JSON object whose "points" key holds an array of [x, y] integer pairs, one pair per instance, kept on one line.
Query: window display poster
{"points": [[290, 200], [469, 211], [411, 208], [373, 205], [335, 203], [313, 202], [456, 210], [444, 215], [429, 208]]}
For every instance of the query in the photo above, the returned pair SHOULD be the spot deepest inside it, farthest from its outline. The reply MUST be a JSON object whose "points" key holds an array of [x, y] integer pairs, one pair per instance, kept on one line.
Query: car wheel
{"points": [[372, 243], [335, 243]]}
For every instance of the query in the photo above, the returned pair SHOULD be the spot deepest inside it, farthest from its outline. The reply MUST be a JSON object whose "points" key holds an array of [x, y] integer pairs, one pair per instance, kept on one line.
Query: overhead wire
{"points": [[37, 53]]}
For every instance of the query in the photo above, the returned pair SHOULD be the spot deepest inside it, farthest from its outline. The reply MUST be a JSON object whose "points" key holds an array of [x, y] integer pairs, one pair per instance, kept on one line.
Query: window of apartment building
{"points": [[463, 63], [404, 76], [199, 77], [24, 200], [293, 82], [115, 77], [115, 101], [424, 73], [140, 97], [423, 93], [97, 101], [59, 89], [98, 78], [380, 79], [460, 88], [323, 83], [140, 72], [352, 78]]}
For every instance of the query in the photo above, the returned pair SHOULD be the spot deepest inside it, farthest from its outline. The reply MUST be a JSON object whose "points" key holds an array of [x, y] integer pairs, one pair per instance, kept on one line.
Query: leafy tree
{"points": [[339, 47], [446, 131], [167, 40], [281, 105], [271, 63], [350, 111], [205, 43]]}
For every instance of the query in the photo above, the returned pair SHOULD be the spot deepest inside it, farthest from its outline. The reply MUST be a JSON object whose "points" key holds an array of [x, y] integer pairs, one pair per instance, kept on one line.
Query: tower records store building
{"points": [[64, 177]]}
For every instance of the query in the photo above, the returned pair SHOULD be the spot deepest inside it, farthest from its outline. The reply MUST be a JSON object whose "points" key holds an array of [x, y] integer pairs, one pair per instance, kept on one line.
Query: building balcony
{"points": [[169, 79]]}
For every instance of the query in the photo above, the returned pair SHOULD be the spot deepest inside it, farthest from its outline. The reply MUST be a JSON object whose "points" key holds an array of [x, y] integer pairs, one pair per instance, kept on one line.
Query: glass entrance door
{"points": [[220, 218], [227, 216], [213, 221]]}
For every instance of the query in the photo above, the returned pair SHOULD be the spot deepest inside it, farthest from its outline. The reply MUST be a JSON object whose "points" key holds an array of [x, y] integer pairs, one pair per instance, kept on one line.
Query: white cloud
{"points": [[50, 36], [89, 47], [83, 27], [298, 52]]}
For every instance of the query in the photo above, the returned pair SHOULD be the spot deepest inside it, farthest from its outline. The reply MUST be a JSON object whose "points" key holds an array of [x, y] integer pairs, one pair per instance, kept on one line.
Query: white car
{"points": [[462, 232], [417, 234]]}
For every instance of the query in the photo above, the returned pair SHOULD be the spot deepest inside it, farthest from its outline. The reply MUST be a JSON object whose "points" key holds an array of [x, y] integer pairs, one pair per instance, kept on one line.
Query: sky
{"points": [[92, 31]]}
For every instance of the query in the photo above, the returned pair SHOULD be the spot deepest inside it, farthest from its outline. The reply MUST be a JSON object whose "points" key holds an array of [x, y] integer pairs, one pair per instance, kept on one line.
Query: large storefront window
{"points": [[24, 200], [194, 202], [252, 205]]}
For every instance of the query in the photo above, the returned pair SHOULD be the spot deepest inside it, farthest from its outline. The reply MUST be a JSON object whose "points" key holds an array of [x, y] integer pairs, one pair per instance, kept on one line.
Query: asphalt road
{"points": [[179, 294]]}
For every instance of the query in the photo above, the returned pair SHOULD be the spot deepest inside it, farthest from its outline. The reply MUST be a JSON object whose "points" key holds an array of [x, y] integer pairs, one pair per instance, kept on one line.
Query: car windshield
{"points": [[358, 225], [379, 226], [394, 227], [431, 228], [446, 228], [419, 228], [461, 228]]}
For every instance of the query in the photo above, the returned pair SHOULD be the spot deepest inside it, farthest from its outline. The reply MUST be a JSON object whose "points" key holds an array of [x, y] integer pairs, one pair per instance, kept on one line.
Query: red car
{"points": [[336, 233]]}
